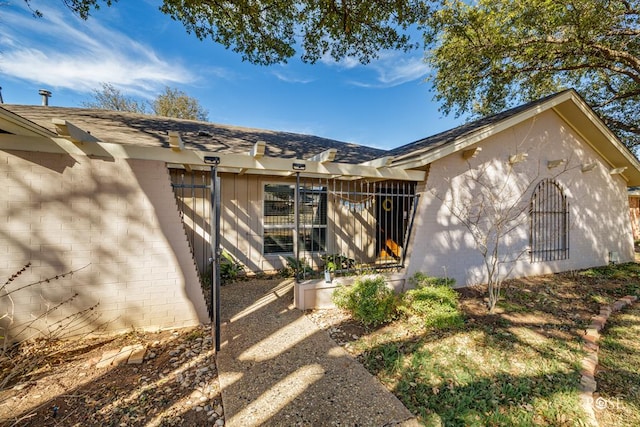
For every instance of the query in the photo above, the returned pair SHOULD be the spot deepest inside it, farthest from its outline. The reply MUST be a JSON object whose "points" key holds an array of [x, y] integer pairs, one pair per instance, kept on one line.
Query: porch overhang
{"points": [[71, 141]]}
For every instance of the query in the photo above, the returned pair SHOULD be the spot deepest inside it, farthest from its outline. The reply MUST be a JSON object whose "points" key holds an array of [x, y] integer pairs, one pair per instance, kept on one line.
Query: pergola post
{"points": [[214, 237], [296, 233]]}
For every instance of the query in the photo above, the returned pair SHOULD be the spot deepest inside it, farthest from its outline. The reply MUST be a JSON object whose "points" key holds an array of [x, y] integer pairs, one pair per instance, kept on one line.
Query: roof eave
{"points": [[574, 111], [18, 125]]}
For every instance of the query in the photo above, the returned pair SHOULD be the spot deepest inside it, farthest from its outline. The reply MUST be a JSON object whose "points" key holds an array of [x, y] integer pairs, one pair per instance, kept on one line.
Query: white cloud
{"points": [[287, 77], [63, 51], [390, 69]]}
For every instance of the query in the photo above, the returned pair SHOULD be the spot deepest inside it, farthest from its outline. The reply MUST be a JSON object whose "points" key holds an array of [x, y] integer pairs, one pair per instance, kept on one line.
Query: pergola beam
{"points": [[175, 141], [228, 161], [326, 156], [381, 162], [71, 132], [258, 149]]}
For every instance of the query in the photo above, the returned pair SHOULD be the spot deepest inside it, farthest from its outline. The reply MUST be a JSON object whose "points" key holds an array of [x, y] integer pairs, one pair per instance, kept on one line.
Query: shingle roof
{"points": [[130, 128], [449, 136]]}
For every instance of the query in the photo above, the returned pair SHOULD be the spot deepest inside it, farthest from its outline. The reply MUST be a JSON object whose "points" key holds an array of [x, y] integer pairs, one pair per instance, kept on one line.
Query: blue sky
{"points": [[139, 50]]}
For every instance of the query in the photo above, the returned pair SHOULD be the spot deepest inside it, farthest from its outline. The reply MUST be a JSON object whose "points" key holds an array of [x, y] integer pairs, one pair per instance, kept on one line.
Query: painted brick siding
{"points": [[634, 213], [114, 221], [598, 204]]}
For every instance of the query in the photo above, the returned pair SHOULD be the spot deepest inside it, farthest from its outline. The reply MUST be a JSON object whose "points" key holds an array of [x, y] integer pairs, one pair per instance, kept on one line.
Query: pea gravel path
{"points": [[277, 368]]}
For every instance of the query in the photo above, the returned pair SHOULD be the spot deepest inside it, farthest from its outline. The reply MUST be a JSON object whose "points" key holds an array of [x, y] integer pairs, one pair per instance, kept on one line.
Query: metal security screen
{"points": [[192, 191], [280, 220], [549, 238]]}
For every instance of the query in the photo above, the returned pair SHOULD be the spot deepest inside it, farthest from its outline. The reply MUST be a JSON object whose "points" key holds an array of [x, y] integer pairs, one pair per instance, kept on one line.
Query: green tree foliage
{"points": [[266, 31], [491, 54], [111, 98], [82, 8], [175, 103]]}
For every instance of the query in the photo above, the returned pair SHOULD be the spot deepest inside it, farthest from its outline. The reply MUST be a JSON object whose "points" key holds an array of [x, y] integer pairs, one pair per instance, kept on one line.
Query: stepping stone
{"points": [[115, 357], [122, 356], [107, 358], [137, 355]]}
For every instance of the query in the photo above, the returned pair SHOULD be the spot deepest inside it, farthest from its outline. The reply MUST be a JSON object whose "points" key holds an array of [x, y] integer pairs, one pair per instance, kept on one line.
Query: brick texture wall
{"points": [[598, 204]]}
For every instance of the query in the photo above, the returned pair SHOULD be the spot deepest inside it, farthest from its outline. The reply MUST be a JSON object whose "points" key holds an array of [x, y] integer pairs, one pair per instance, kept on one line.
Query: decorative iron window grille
{"points": [[549, 238], [279, 218]]}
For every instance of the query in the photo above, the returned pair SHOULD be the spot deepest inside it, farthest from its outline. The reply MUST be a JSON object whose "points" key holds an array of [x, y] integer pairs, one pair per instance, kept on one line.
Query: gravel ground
{"points": [[176, 385], [277, 368]]}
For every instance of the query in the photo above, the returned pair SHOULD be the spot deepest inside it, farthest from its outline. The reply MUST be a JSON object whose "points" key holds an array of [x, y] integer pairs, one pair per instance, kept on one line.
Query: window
{"points": [[549, 237], [280, 221]]}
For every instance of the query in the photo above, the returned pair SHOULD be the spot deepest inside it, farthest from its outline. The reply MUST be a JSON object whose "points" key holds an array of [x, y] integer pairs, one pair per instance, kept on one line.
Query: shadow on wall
{"points": [[98, 219], [486, 202], [169, 225]]}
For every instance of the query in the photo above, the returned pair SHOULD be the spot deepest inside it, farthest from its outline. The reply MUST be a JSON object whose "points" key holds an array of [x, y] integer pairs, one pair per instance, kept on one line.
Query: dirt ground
{"points": [[177, 383]]}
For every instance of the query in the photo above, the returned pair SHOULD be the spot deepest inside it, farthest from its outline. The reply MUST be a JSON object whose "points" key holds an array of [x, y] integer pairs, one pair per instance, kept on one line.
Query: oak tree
{"points": [[493, 54], [268, 31]]}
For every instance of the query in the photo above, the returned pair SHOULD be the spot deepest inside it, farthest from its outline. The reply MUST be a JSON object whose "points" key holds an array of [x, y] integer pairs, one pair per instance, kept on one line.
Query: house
{"points": [[634, 211], [123, 202]]}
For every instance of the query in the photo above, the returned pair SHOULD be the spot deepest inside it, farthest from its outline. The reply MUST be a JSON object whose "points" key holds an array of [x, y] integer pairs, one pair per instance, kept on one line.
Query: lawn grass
{"points": [[516, 367], [618, 377]]}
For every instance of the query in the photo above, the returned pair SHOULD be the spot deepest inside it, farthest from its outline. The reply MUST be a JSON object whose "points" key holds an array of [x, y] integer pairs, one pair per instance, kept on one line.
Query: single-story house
{"points": [[124, 202]]}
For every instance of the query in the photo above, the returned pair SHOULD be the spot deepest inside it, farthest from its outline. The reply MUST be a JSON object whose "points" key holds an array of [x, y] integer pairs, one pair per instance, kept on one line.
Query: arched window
{"points": [[549, 239]]}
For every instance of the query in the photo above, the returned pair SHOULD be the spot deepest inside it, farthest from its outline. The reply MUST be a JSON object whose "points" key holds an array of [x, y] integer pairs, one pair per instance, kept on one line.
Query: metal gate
{"points": [[198, 198]]}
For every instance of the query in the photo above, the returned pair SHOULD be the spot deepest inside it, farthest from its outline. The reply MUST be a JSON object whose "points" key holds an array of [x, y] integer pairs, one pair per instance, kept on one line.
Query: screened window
{"points": [[280, 221], [549, 238]]}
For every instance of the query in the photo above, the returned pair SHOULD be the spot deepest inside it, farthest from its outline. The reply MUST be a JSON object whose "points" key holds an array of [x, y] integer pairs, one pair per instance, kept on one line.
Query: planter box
{"points": [[316, 293]]}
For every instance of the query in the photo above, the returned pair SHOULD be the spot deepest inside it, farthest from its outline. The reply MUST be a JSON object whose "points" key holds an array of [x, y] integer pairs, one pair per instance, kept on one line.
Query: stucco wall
{"points": [[599, 209], [114, 221]]}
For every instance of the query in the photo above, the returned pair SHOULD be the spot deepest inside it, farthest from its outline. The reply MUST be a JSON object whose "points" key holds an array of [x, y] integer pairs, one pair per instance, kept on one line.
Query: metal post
{"points": [[296, 237], [215, 254]]}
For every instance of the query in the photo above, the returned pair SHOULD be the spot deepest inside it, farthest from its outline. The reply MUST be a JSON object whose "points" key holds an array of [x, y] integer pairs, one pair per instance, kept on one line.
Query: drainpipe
{"points": [[46, 94]]}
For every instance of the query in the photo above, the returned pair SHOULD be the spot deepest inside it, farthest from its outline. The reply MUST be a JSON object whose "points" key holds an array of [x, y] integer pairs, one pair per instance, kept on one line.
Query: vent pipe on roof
{"points": [[1, 100], [46, 94]]}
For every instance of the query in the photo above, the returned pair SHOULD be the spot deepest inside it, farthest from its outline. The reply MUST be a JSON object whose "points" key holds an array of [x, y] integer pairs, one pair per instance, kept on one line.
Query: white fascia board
{"points": [[264, 165], [606, 132], [463, 142], [18, 125]]}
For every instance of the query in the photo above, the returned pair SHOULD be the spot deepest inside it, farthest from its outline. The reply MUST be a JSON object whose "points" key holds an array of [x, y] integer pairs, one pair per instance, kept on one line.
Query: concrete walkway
{"points": [[276, 368]]}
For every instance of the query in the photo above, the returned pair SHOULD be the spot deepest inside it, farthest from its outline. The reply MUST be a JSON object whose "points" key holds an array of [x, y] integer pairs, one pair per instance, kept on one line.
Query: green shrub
{"points": [[230, 268], [369, 300], [433, 301], [296, 265]]}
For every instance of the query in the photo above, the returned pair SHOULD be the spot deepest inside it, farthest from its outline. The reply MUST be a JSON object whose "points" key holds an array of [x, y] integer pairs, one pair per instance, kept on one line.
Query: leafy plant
{"points": [[433, 301], [301, 266], [336, 262], [230, 268], [369, 300]]}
